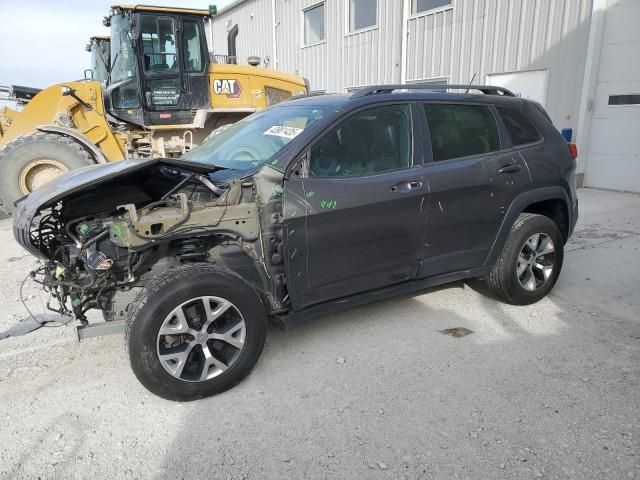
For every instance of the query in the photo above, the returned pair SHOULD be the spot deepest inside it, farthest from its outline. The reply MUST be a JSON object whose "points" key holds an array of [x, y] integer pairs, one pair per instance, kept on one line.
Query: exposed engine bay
{"points": [[125, 223]]}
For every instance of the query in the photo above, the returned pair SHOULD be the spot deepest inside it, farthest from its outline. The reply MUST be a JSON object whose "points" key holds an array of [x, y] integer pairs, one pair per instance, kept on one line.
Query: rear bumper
{"points": [[574, 218]]}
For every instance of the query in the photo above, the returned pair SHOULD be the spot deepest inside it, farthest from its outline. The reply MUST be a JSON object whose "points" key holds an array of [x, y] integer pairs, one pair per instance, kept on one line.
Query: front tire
{"points": [[530, 262], [30, 161], [195, 331]]}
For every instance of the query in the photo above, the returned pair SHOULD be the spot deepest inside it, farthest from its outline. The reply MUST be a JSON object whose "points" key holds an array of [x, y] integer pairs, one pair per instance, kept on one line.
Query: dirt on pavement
{"points": [[546, 391]]}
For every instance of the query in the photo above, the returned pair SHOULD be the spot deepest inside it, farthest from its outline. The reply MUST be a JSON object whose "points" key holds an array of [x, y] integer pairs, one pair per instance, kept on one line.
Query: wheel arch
{"points": [[552, 202], [96, 154]]}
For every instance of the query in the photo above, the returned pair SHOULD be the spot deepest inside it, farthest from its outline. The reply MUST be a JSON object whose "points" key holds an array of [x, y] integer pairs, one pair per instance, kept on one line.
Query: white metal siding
{"points": [[255, 37], [496, 36], [474, 36]]}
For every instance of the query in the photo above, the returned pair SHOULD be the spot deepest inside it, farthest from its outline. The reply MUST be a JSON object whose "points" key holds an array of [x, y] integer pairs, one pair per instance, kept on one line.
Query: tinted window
{"points": [[520, 128], [624, 99], [461, 130], [373, 141]]}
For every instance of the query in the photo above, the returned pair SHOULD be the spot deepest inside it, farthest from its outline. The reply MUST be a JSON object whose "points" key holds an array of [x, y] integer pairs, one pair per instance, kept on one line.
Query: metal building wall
{"points": [[342, 61], [494, 36], [474, 36], [255, 37]]}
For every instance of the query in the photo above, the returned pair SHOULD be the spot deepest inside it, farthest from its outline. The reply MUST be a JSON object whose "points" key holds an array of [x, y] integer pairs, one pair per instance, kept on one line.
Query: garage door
{"points": [[614, 147]]}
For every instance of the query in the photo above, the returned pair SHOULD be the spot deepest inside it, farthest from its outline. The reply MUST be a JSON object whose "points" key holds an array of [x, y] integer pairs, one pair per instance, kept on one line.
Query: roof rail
{"points": [[486, 89]]}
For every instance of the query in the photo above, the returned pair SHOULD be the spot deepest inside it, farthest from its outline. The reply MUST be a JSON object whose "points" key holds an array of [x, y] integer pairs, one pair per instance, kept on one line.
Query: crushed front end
{"points": [[103, 230]]}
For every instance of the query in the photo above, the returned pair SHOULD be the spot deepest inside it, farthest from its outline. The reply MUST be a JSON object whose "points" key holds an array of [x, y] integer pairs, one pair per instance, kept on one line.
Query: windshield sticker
{"points": [[284, 132]]}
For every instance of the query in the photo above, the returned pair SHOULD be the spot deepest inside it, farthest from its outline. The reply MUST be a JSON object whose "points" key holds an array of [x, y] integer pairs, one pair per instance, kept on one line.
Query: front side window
{"points": [[419, 6], [257, 139], [158, 44], [520, 128], [314, 24], [459, 130], [362, 14], [192, 49], [123, 58], [372, 141]]}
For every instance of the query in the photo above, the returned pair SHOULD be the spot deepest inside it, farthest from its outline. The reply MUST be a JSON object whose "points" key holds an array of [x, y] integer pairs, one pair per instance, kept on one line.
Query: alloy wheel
{"points": [[201, 339], [536, 261]]}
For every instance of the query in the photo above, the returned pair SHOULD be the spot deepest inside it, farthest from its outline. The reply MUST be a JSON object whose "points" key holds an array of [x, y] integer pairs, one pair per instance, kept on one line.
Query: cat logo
{"points": [[230, 88]]}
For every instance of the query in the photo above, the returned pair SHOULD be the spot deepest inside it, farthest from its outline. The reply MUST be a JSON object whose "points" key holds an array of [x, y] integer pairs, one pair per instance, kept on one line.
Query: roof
{"points": [[231, 6], [343, 100], [152, 8]]}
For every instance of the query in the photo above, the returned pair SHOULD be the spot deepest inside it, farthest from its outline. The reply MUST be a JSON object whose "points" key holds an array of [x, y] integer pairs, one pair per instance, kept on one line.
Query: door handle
{"points": [[510, 169], [404, 187]]}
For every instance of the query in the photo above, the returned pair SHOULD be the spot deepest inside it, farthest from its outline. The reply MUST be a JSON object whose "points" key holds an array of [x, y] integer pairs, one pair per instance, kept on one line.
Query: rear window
{"points": [[520, 128], [458, 130]]}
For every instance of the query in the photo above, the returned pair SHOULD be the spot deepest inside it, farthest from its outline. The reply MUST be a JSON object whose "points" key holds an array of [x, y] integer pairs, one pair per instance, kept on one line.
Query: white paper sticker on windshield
{"points": [[284, 132]]}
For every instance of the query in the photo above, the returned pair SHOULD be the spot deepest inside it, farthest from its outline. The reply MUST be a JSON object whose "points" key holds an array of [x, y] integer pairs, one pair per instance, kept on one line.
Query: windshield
{"points": [[123, 59], [258, 138]]}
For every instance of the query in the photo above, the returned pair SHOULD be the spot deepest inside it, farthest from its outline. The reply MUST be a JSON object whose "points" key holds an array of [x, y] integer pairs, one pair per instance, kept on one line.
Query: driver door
{"points": [[355, 218], [174, 68]]}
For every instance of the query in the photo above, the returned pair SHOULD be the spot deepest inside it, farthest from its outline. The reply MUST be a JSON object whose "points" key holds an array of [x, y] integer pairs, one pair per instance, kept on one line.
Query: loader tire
{"points": [[32, 160]]}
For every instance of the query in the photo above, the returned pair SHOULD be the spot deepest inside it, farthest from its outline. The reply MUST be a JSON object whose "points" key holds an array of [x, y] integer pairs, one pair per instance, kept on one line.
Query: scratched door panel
{"points": [[361, 233], [467, 202]]}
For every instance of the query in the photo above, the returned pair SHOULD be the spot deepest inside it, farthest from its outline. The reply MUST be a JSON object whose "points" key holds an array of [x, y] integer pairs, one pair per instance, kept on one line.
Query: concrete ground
{"points": [[546, 391]]}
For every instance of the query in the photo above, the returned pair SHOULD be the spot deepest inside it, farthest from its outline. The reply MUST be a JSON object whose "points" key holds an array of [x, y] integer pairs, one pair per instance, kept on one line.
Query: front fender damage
{"points": [[113, 232]]}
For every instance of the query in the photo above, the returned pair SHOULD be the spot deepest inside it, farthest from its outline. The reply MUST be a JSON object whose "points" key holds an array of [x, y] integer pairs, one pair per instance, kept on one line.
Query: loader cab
{"points": [[100, 49], [159, 65]]}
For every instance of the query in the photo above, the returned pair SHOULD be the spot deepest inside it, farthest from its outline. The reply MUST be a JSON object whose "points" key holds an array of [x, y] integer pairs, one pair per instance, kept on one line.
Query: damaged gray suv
{"points": [[314, 205]]}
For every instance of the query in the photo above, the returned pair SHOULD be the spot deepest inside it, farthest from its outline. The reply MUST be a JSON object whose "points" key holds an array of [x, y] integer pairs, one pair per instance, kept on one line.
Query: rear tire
{"points": [[530, 262], [195, 331], [31, 160]]}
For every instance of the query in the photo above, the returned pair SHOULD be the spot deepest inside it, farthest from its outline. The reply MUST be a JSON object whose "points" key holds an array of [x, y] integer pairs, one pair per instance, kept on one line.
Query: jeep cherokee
{"points": [[314, 205]]}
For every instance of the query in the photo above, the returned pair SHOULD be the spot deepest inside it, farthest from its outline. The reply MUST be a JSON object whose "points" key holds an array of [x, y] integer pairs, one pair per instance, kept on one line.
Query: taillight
{"points": [[573, 150]]}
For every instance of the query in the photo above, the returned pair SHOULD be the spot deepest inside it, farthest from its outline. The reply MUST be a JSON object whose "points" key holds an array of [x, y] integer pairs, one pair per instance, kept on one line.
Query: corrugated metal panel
{"points": [[343, 60], [255, 37], [475, 36], [493, 36]]}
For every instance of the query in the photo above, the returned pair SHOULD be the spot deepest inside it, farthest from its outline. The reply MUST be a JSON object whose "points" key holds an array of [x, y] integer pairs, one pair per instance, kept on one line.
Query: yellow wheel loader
{"points": [[165, 93]]}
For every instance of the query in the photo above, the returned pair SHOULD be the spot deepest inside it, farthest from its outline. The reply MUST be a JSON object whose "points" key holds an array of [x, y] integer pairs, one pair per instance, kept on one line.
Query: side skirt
{"points": [[293, 318]]}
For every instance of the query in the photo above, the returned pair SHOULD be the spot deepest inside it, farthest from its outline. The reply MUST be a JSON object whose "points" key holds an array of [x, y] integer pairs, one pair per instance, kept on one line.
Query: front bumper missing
{"points": [[102, 329]]}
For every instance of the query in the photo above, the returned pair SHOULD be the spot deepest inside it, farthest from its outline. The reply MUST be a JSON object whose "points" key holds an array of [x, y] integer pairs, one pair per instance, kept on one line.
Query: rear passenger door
{"points": [[471, 182]]}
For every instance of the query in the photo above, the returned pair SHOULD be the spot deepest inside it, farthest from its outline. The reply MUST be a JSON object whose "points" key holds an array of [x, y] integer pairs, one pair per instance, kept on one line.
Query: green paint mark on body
{"points": [[118, 232], [310, 194], [328, 204]]}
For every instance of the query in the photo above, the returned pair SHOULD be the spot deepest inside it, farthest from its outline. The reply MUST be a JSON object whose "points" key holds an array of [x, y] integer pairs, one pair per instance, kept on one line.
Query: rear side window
{"points": [[459, 130], [520, 128]]}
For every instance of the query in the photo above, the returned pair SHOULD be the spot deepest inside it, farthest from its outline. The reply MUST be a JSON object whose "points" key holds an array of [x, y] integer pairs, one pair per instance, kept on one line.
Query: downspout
{"points": [[405, 39], [275, 42], [589, 81]]}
